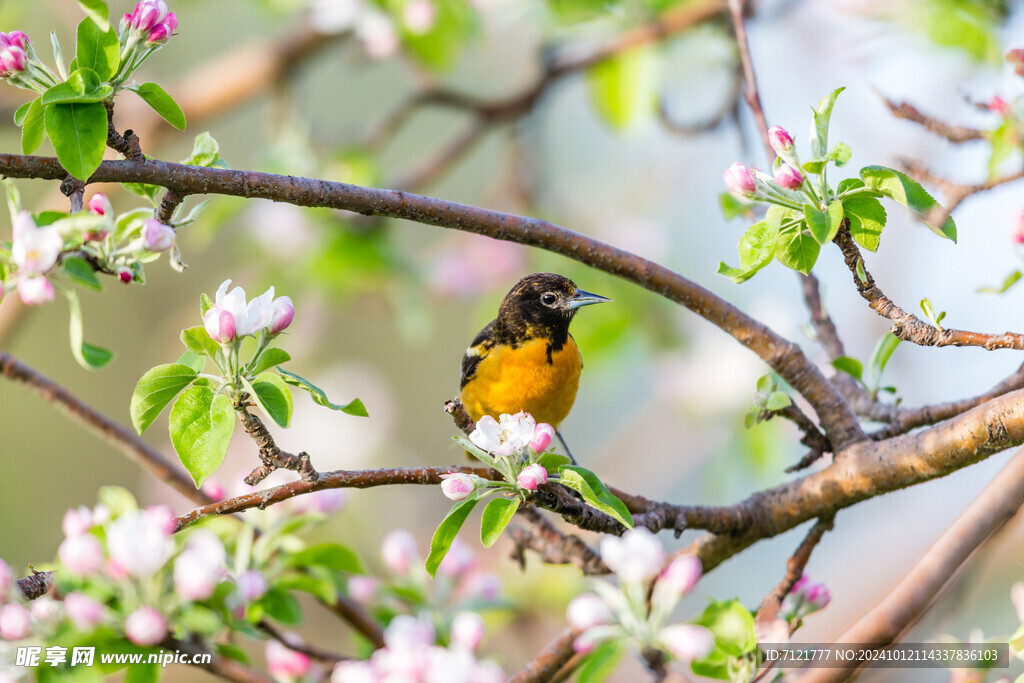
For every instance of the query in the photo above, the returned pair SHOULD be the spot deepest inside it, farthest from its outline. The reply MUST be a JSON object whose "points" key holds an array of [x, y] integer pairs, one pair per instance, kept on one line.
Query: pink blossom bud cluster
{"points": [[741, 181], [231, 317], [150, 22], [805, 597], [13, 53], [411, 654], [637, 558]]}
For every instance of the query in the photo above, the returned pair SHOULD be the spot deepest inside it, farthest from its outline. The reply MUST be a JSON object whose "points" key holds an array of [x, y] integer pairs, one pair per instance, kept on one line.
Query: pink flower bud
{"points": [[45, 609], [587, 610], [126, 23], [467, 630], [281, 314], [18, 39], [780, 140], [284, 662], [680, 576], [77, 521], [457, 486], [162, 32], [145, 627], [13, 60], [84, 612], [81, 554], [148, 14], [419, 16], [997, 105], [740, 180], [362, 589], [484, 586], [15, 622], [219, 324], [818, 596], [125, 275], [156, 236], [531, 476], [115, 570], [687, 642], [252, 585], [398, 550], [195, 576], [100, 205], [35, 291], [1016, 58], [788, 177], [543, 433]]}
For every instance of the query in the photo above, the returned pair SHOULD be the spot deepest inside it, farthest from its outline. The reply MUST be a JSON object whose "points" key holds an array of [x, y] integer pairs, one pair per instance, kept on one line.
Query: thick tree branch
{"points": [[911, 596], [552, 545], [361, 621], [785, 357], [273, 457], [907, 326]]}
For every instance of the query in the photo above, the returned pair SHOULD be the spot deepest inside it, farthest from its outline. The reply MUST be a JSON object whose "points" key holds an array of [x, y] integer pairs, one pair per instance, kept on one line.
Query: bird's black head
{"points": [[543, 304]]}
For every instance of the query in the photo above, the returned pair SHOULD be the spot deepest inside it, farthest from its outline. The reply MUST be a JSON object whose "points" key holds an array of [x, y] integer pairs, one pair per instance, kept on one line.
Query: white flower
{"points": [[687, 642], [249, 317], [505, 437], [635, 557], [588, 610], [139, 542], [34, 250]]}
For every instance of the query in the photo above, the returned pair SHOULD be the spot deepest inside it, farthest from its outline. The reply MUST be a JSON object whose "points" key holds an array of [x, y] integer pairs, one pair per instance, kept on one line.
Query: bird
{"points": [[525, 359]]}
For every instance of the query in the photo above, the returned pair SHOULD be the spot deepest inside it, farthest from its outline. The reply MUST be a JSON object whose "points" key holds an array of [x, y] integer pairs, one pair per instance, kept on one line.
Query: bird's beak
{"points": [[581, 298]]}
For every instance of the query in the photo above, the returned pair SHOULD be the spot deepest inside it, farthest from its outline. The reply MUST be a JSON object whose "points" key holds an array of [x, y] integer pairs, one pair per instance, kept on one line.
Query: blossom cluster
{"points": [[231, 317], [151, 22], [748, 183], [626, 615]]}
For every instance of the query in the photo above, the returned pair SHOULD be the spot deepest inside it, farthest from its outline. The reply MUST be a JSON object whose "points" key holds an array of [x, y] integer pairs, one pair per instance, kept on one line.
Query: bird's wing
{"points": [[476, 352]]}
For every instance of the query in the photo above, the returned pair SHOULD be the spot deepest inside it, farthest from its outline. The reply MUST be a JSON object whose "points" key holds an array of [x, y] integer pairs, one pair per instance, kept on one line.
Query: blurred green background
{"points": [[385, 308]]}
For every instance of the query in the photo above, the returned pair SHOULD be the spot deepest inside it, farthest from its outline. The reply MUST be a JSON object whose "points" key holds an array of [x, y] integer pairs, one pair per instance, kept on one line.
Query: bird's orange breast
{"points": [[508, 380]]}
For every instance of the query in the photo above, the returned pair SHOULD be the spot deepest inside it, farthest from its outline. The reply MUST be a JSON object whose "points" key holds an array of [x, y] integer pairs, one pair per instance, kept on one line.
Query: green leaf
{"points": [[847, 184], [732, 207], [497, 515], [79, 135], [756, 249], [552, 461], [232, 652], [824, 224], [281, 606], [331, 555], [21, 112], [149, 673], [353, 407], [205, 151], [320, 586], [98, 50], [765, 384], [820, 122], [797, 249], [144, 190], [778, 400], [441, 45], [1010, 281], [82, 86], [33, 127], [867, 218], [446, 533], [840, 154], [201, 428], [274, 396], [908, 192], [268, 359], [81, 272], [624, 88], [162, 103], [97, 11], [595, 493], [156, 389], [732, 626], [205, 304], [58, 56], [200, 620], [197, 340], [883, 351], [89, 356], [601, 662], [851, 366], [193, 360]]}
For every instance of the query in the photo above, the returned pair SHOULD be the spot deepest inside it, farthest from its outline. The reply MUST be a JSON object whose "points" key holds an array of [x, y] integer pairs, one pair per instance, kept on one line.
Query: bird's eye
{"points": [[548, 299]]}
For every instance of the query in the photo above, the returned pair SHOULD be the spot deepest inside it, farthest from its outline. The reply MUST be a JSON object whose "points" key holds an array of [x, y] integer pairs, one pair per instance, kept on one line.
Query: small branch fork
{"points": [[127, 144], [273, 457], [553, 546], [794, 569], [956, 134]]}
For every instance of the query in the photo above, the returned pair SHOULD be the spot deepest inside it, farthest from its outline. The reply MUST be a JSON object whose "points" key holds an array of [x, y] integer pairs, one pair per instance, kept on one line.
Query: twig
{"points": [[956, 134], [907, 326], [359, 619], [74, 189], [954, 193], [119, 436], [812, 438], [227, 669], [552, 545], [309, 650], [548, 661], [127, 144], [784, 356], [273, 457], [911, 596], [751, 93], [171, 200], [459, 415], [794, 570]]}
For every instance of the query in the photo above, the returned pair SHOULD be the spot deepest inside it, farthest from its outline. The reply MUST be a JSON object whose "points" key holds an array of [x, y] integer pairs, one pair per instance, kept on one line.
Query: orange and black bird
{"points": [[525, 359]]}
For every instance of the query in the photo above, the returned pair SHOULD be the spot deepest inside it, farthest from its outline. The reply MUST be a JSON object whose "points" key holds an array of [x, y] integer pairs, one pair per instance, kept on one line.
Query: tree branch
{"points": [[227, 669], [911, 596], [273, 457], [548, 661], [957, 134], [359, 619], [552, 545], [954, 193], [794, 570]]}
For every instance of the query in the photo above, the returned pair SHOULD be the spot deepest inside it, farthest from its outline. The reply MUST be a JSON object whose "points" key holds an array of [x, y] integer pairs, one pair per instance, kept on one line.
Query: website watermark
{"points": [[38, 656]]}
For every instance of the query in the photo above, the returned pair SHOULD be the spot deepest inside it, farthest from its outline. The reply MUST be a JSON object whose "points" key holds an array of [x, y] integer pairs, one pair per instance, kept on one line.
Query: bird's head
{"points": [[544, 301]]}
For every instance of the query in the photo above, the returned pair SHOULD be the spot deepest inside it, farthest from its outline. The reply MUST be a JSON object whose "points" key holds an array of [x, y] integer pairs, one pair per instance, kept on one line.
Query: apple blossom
{"points": [[503, 437], [248, 318], [6, 578], [100, 205], [13, 60], [419, 16], [213, 489], [35, 291], [484, 586], [46, 609], [677, 579], [458, 560], [804, 598], [457, 486], [282, 312], [377, 33], [139, 541], [157, 236], [284, 662], [1018, 226], [15, 622], [1016, 59], [467, 630], [195, 578], [362, 589], [532, 476], [588, 610], [780, 140], [163, 31], [687, 642], [788, 177], [542, 436], [220, 325], [587, 641], [77, 521], [81, 554], [399, 551], [252, 585], [34, 250], [740, 180], [145, 627], [635, 557], [353, 672], [16, 38], [84, 612]]}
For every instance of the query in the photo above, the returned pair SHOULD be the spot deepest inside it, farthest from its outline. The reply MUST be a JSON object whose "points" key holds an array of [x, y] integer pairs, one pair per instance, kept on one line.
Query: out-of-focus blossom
{"points": [[464, 266], [788, 177], [362, 589], [324, 502], [687, 642], [1018, 226], [635, 557], [35, 291], [459, 559], [46, 609], [77, 521], [1016, 597], [198, 568], [542, 436], [145, 627], [997, 105], [84, 612], [100, 205], [283, 662], [532, 476], [587, 641], [419, 16], [252, 585], [588, 610], [482, 586], [677, 579], [6, 578], [81, 554], [34, 249], [377, 33], [399, 551], [740, 180], [157, 236], [139, 542], [467, 630], [773, 631], [457, 486], [503, 437], [125, 275], [15, 622], [1016, 59], [282, 312], [805, 597], [213, 489]]}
